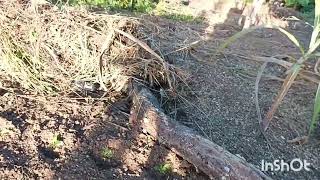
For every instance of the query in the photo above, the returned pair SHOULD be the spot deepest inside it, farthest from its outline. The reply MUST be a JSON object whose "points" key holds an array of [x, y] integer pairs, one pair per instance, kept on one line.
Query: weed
{"points": [[164, 168], [57, 141], [106, 153], [134, 5], [308, 13], [299, 3], [305, 6], [306, 54]]}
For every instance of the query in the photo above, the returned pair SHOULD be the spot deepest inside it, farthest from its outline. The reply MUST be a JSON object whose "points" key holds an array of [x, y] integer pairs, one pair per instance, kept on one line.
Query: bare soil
{"points": [[85, 129], [218, 101]]}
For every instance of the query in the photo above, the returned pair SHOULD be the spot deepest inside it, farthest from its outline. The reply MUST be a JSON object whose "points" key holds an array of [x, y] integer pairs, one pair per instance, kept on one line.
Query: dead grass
{"points": [[45, 49]]}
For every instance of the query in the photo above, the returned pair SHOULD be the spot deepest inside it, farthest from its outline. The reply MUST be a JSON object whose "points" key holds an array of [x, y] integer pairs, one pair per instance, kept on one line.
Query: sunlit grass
{"points": [[134, 5], [45, 52], [180, 13]]}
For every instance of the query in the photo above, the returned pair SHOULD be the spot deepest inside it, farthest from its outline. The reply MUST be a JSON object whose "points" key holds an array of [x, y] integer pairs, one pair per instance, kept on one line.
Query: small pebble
{"points": [[227, 169]]}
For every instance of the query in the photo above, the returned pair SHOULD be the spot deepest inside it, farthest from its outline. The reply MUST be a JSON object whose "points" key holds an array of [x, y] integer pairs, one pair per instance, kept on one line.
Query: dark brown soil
{"points": [[84, 129], [218, 102]]}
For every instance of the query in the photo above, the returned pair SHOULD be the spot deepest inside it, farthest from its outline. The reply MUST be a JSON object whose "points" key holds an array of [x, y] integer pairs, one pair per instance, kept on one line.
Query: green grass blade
{"points": [[236, 37], [292, 38], [314, 35], [283, 91], [317, 13], [316, 29], [314, 47], [316, 112]]}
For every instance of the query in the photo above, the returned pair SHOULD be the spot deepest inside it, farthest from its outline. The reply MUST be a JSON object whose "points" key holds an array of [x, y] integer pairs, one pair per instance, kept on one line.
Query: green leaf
{"points": [[303, 3], [106, 153], [314, 47], [292, 38], [316, 112], [57, 141], [164, 168], [316, 29], [314, 35], [317, 13]]}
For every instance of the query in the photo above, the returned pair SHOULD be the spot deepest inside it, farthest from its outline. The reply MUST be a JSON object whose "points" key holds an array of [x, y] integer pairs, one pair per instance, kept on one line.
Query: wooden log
{"points": [[147, 116]]}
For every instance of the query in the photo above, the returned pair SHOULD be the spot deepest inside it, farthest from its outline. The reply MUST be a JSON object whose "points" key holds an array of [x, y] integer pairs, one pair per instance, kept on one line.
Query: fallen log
{"points": [[210, 158]]}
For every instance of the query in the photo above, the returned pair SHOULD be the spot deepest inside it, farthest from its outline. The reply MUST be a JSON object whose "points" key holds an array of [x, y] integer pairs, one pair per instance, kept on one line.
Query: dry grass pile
{"points": [[45, 49]]}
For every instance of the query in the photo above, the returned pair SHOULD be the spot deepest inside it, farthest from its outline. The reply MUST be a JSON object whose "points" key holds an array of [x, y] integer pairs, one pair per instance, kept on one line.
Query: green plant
{"points": [[144, 5], [57, 141], [306, 54], [164, 168], [304, 6], [106, 153], [137, 5], [23, 66], [298, 3], [308, 15]]}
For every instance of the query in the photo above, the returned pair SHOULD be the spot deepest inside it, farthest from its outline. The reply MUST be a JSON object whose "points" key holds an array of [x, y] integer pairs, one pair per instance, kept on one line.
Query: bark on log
{"points": [[205, 155]]}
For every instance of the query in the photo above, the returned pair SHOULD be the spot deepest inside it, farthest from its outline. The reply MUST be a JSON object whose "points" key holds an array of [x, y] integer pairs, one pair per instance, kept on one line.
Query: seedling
{"points": [[164, 168], [106, 153], [57, 141]]}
